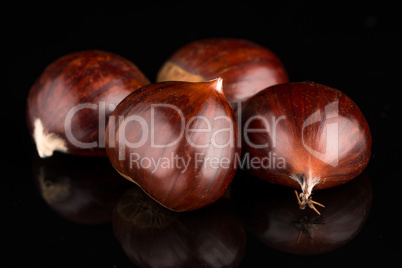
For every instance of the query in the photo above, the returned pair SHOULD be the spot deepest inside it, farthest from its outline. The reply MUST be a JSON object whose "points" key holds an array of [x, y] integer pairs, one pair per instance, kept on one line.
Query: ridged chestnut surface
{"points": [[304, 135], [245, 66], [69, 104], [177, 141]]}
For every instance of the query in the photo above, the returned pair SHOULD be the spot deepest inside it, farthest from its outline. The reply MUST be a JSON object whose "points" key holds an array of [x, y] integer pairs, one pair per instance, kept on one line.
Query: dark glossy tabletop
{"points": [[61, 211]]}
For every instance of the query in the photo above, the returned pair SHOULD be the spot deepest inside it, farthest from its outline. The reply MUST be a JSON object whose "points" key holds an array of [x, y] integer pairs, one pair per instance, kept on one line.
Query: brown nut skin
{"points": [[69, 104], [314, 136], [183, 126], [245, 66]]}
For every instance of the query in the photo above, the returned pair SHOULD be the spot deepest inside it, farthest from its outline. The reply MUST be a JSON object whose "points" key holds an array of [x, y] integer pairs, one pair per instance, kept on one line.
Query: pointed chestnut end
{"points": [[217, 84], [47, 143], [303, 202]]}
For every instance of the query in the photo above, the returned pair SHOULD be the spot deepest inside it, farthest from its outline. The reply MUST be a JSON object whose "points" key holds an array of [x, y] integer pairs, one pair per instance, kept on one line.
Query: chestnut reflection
{"points": [[270, 212], [153, 236], [81, 189]]}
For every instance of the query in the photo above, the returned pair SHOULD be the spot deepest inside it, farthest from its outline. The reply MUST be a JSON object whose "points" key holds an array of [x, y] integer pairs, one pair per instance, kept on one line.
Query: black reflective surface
{"points": [[152, 236], [58, 212], [270, 213]]}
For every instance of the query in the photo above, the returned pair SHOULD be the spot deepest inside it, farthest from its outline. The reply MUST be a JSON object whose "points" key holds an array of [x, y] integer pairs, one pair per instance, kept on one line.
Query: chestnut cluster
{"points": [[217, 105]]}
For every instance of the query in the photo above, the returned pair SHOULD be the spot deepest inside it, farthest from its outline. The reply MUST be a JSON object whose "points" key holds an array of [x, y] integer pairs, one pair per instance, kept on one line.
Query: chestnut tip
{"points": [[307, 184], [303, 202], [217, 84], [47, 143]]}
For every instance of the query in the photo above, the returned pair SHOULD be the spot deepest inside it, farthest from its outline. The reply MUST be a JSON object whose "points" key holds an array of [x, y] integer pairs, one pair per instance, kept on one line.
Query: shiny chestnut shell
{"points": [[245, 66], [177, 141], [308, 134], [69, 104]]}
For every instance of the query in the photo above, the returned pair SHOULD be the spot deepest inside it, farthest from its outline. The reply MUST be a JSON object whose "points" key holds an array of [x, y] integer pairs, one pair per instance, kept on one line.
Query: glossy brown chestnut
{"points": [[69, 104], [245, 67], [84, 190], [269, 213], [304, 135], [153, 236], [177, 141]]}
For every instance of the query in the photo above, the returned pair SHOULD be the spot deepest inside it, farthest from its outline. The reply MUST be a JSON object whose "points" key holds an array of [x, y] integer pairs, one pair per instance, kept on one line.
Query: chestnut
{"points": [[153, 236], [177, 141], [304, 135], [268, 212], [69, 104], [245, 66], [83, 190]]}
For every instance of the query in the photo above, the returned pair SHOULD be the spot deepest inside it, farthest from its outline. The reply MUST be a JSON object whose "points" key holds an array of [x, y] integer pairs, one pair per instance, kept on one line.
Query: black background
{"points": [[355, 49]]}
